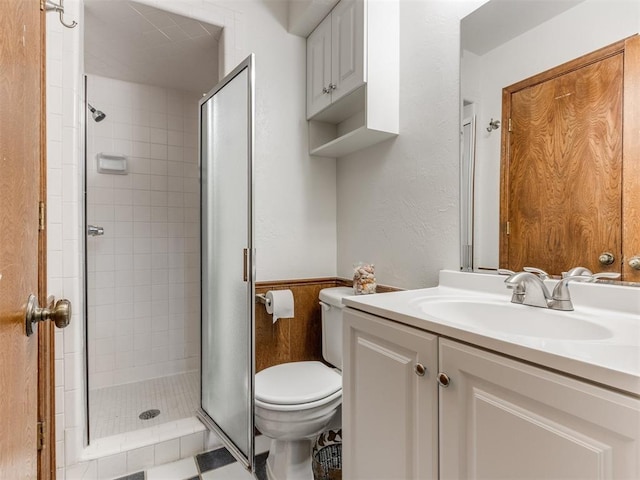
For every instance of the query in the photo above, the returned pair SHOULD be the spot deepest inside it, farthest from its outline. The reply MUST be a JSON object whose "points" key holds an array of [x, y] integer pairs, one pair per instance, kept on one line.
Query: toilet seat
{"points": [[297, 385]]}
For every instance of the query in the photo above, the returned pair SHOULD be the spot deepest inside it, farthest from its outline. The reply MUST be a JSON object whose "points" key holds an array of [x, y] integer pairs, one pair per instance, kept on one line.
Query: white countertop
{"points": [[613, 361]]}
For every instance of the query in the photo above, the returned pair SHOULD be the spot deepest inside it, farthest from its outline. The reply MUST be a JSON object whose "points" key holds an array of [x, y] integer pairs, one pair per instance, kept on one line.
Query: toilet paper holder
{"points": [[261, 298]]}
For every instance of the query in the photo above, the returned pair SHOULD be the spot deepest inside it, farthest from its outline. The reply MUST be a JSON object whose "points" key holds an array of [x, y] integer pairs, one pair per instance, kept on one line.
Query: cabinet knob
{"points": [[330, 88], [634, 262], [443, 380], [420, 369]]}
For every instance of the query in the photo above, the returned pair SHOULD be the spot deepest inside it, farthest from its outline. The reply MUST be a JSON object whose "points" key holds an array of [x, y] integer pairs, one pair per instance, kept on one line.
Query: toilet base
{"points": [[289, 460]]}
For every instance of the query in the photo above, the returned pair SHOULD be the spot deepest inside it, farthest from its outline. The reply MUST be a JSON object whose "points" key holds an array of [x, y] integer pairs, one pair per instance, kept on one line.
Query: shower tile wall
{"points": [[143, 274]]}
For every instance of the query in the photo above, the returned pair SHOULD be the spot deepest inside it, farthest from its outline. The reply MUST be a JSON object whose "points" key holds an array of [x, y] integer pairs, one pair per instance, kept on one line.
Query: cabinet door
{"points": [[347, 47], [389, 412], [319, 67], [500, 418]]}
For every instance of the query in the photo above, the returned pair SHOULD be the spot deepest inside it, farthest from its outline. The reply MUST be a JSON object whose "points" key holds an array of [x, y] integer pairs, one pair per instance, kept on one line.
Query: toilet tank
{"points": [[331, 306]]}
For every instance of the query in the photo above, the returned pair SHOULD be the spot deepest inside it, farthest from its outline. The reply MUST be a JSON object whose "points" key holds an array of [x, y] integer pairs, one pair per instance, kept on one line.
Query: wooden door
{"points": [[503, 419], [389, 405], [564, 169], [319, 67], [347, 47], [22, 243]]}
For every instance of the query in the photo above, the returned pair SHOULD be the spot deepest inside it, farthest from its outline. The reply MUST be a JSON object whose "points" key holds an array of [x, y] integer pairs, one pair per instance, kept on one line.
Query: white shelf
{"points": [[351, 142]]}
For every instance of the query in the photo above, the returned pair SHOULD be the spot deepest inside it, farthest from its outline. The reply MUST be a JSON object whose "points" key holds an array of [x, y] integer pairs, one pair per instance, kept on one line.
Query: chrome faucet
{"points": [[528, 289]]}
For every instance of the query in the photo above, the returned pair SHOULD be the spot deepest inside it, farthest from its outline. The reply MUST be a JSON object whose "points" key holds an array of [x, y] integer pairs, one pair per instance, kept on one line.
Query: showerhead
{"points": [[98, 115]]}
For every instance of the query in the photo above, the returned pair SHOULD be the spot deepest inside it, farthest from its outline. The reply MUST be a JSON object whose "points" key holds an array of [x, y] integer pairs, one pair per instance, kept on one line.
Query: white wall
{"points": [[398, 201], [144, 272], [295, 194], [586, 27]]}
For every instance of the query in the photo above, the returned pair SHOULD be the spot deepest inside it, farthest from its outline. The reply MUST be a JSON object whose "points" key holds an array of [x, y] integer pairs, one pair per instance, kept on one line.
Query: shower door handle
{"points": [[95, 231]]}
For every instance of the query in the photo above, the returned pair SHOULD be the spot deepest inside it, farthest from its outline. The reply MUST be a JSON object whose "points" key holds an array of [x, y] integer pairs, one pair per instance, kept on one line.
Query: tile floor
{"points": [[115, 410], [215, 465]]}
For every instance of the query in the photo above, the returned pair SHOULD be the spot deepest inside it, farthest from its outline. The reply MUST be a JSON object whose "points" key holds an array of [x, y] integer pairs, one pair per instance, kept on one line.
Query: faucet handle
{"points": [[541, 273], [577, 271], [505, 271], [607, 275]]}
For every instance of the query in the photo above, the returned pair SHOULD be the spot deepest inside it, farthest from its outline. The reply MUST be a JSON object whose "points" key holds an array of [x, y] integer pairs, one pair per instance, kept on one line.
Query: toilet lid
{"points": [[296, 382]]}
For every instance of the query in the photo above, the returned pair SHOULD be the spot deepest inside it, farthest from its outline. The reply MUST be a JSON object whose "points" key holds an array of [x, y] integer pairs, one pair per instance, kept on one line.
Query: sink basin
{"points": [[512, 319]]}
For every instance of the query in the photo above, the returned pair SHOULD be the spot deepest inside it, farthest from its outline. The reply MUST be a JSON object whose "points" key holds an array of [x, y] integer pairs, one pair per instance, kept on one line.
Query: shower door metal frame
{"points": [[249, 266]]}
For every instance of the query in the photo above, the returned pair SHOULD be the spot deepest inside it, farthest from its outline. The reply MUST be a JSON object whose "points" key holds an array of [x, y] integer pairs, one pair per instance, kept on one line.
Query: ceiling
{"points": [[138, 43], [499, 21]]}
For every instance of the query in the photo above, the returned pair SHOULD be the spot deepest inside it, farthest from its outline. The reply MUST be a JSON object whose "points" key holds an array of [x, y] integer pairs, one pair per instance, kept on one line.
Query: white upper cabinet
{"points": [[347, 47], [353, 77], [319, 67], [335, 56]]}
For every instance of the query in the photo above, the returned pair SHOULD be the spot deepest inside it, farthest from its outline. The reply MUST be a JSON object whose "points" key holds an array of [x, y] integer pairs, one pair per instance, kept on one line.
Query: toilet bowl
{"points": [[295, 401]]}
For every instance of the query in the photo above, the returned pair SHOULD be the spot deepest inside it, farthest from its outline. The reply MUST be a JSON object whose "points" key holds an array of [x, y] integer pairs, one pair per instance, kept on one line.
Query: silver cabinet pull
{"points": [[60, 313], [606, 258], [420, 369], [94, 231], [443, 380], [634, 262]]}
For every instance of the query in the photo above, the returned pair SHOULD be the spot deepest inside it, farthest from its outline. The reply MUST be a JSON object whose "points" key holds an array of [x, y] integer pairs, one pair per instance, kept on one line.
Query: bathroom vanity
{"points": [[458, 382]]}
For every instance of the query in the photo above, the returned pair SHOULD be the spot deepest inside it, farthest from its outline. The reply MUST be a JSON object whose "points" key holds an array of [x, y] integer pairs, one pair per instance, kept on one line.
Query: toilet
{"points": [[296, 401]]}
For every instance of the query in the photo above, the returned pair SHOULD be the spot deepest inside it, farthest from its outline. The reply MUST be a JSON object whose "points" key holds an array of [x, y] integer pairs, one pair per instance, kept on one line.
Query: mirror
{"points": [[504, 42]]}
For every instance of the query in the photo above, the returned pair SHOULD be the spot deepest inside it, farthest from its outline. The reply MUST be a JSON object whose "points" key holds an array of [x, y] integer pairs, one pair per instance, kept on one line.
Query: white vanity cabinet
{"points": [[501, 418], [353, 77], [390, 406], [497, 417], [335, 56]]}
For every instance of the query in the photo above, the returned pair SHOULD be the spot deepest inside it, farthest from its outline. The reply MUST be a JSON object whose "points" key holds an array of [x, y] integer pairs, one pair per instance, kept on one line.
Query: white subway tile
{"points": [[140, 458], [112, 466], [190, 445]]}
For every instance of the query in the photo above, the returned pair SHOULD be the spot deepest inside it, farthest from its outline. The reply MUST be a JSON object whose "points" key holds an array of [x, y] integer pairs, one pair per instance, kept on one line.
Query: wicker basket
{"points": [[327, 463], [326, 459]]}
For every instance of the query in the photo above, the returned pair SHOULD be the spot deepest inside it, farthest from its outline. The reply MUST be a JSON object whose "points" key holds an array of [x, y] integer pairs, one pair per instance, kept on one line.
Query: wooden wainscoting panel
{"points": [[299, 338], [291, 339]]}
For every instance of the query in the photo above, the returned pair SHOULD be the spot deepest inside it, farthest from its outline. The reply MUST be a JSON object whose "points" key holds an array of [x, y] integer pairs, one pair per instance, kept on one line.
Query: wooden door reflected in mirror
{"points": [[565, 165]]}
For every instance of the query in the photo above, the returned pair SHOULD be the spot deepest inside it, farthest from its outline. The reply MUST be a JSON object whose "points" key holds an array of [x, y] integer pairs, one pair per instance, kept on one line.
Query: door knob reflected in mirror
{"points": [[60, 313], [606, 258], [634, 262]]}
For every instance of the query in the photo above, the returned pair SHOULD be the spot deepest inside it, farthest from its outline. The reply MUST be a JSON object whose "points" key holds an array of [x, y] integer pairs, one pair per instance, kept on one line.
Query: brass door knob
{"points": [[634, 262], [60, 313]]}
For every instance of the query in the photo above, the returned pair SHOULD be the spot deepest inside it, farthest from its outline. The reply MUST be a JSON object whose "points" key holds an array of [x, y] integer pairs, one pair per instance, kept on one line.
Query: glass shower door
{"points": [[226, 142]]}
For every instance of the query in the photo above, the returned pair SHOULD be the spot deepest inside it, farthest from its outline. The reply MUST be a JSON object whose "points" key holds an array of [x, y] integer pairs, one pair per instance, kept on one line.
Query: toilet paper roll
{"points": [[280, 304]]}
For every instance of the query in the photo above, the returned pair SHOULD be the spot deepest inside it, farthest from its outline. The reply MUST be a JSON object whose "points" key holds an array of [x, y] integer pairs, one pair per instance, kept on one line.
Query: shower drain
{"points": [[149, 414]]}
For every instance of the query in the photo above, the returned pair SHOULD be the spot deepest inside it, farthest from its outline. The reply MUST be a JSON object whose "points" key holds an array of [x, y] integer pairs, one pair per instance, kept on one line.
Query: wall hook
{"points": [[51, 6], [493, 125]]}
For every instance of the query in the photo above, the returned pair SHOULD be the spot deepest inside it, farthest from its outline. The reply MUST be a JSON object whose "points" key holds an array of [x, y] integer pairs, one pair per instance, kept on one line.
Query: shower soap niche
{"points": [[112, 163]]}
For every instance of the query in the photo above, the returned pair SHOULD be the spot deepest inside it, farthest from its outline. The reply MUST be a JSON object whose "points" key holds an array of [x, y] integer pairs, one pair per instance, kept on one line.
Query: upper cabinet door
{"points": [[319, 68], [347, 65]]}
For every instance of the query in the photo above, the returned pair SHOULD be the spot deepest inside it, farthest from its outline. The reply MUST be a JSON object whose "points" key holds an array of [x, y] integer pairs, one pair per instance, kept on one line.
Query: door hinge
{"points": [[510, 125], [42, 430], [41, 216], [508, 228], [42, 5]]}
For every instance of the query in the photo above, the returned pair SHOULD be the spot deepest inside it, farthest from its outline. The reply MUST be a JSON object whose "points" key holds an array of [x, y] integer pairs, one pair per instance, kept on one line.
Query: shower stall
{"points": [[143, 260], [169, 239], [142, 214]]}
